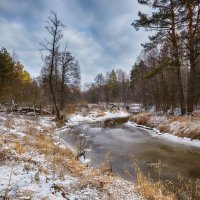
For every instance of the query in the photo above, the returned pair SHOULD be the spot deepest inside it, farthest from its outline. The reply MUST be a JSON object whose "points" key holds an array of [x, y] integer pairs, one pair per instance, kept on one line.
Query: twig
{"points": [[9, 182]]}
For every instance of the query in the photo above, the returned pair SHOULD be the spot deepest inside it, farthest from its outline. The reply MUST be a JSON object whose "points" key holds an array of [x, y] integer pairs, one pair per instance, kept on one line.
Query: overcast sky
{"points": [[98, 32]]}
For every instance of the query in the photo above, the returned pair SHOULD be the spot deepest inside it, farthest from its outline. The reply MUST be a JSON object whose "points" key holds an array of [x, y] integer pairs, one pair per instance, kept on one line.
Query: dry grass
{"points": [[183, 119], [60, 123], [151, 190], [43, 144], [166, 190], [27, 167], [196, 116], [101, 113], [61, 159], [193, 133], [83, 102], [30, 129], [141, 119], [182, 126], [94, 179], [43, 170], [19, 148], [187, 125], [105, 168], [69, 109], [9, 123], [106, 165], [50, 130], [3, 155], [58, 161], [164, 128], [71, 165]]}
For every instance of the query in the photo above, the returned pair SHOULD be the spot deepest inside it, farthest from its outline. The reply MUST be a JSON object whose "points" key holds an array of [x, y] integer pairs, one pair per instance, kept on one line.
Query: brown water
{"points": [[125, 143]]}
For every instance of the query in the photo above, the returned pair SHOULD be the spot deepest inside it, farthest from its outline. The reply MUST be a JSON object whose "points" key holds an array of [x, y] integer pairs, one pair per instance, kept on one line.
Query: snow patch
{"points": [[173, 138], [94, 117]]}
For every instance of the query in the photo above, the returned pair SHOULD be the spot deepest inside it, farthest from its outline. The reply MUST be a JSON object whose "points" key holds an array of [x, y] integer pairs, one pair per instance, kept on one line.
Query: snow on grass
{"points": [[33, 165], [28, 183], [119, 187], [86, 193], [178, 129], [176, 139], [95, 117], [84, 160]]}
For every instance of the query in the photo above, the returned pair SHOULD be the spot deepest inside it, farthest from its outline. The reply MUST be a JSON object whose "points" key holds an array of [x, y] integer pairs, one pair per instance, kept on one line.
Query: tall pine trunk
{"points": [[192, 74], [181, 97]]}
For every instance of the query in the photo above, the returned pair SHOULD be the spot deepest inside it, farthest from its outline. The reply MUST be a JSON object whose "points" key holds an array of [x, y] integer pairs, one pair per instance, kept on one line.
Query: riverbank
{"points": [[96, 116], [34, 165], [181, 129]]}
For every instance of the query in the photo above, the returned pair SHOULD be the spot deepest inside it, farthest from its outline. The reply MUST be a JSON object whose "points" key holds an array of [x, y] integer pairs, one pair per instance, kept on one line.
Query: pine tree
{"points": [[190, 32], [165, 21]]}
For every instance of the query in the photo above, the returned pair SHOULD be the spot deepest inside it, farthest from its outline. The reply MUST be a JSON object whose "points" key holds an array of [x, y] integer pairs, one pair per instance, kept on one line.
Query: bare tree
{"points": [[99, 82], [70, 75], [66, 59], [51, 46]]}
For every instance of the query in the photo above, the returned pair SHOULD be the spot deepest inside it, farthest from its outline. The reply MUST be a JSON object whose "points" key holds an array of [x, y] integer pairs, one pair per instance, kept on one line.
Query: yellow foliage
{"points": [[26, 77], [22, 74]]}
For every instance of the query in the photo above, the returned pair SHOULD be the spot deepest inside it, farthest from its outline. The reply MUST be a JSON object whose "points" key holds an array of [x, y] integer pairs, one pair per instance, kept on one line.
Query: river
{"points": [[125, 143]]}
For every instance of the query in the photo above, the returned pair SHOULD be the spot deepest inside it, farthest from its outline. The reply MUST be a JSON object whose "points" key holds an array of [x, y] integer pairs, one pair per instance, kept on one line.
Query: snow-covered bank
{"points": [[183, 130], [95, 116], [33, 165]]}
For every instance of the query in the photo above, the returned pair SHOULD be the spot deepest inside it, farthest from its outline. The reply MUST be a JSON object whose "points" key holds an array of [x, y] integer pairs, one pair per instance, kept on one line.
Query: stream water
{"points": [[125, 143]]}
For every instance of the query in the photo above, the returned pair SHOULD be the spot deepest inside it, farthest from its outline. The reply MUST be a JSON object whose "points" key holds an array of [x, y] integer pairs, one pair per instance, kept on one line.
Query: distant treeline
{"points": [[112, 87]]}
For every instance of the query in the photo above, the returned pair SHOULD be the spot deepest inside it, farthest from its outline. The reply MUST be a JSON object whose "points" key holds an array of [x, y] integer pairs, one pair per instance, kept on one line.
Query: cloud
{"points": [[98, 33], [87, 51], [13, 6], [17, 39]]}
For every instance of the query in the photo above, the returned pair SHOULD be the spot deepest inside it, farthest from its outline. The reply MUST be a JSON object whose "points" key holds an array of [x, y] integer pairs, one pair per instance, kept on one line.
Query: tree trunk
{"points": [[62, 90], [180, 91], [177, 62], [191, 88], [51, 74], [53, 95], [192, 75]]}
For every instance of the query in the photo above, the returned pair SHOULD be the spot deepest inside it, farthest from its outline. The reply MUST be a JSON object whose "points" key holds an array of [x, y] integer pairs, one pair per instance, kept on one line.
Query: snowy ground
{"points": [[95, 116], [34, 165], [184, 130]]}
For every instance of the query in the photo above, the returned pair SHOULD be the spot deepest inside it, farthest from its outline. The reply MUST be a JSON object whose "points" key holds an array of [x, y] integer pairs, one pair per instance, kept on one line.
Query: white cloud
{"points": [[86, 50], [16, 38], [13, 6], [99, 33]]}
